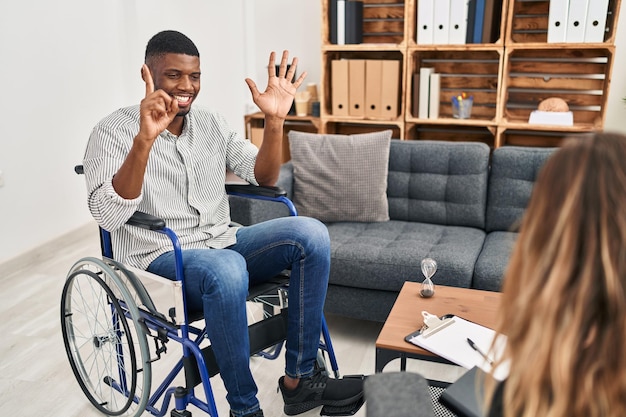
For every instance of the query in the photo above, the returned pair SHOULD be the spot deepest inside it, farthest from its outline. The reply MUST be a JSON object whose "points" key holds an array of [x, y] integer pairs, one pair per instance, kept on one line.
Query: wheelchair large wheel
{"points": [[104, 341]]}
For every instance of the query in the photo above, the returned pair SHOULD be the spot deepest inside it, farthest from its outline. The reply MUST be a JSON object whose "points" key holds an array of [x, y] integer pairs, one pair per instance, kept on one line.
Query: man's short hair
{"points": [[170, 42]]}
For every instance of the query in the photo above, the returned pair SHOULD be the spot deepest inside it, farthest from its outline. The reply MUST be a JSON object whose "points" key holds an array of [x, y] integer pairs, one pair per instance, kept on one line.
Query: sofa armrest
{"points": [[247, 211], [285, 179], [397, 394]]}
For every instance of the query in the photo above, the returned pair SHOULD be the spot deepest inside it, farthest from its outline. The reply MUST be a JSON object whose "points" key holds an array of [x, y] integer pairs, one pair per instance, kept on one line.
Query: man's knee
{"points": [[312, 233], [221, 270]]}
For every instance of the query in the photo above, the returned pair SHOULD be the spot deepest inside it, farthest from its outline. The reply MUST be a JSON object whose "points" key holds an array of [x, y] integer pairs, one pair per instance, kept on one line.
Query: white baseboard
{"points": [[47, 250]]}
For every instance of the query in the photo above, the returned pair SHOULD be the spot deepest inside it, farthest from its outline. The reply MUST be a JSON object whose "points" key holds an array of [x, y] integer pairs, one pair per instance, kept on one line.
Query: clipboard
{"points": [[447, 336]]}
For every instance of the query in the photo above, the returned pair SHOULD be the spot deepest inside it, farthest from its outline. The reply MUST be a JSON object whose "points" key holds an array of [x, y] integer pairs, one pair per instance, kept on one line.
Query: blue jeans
{"points": [[217, 281]]}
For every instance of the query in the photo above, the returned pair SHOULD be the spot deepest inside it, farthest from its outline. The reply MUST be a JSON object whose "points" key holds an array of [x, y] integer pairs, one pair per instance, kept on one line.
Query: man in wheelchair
{"points": [[167, 158]]}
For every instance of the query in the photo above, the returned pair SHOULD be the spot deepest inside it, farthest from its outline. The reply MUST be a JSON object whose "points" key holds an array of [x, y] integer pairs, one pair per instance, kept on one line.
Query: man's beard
{"points": [[183, 113]]}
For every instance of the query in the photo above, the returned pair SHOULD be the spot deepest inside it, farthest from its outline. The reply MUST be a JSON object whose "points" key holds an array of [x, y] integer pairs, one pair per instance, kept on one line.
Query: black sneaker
{"points": [[258, 413], [319, 390]]}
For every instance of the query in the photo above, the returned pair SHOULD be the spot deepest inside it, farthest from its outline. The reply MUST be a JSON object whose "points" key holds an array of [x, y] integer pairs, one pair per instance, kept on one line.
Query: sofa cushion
{"points": [[341, 177], [438, 182], [384, 255], [513, 173], [493, 260]]}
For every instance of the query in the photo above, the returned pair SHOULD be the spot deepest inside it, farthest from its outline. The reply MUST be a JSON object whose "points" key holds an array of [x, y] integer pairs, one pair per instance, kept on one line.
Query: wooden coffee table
{"points": [[405, 317]]}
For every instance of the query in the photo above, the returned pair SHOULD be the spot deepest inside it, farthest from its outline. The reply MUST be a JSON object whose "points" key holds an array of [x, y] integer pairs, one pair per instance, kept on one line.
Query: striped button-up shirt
{"points": [[183, 183]]}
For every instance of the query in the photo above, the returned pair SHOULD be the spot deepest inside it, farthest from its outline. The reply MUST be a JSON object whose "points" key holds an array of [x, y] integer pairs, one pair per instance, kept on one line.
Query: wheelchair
{"points": [[108, 316]]}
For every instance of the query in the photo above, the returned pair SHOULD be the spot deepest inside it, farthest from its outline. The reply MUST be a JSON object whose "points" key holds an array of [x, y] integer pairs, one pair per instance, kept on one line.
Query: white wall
{"points": [[68, 63], [285, 24]]}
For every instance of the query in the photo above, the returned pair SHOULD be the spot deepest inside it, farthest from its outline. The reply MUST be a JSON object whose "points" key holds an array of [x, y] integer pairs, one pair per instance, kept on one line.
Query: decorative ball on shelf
{"points": [[553, 104]]}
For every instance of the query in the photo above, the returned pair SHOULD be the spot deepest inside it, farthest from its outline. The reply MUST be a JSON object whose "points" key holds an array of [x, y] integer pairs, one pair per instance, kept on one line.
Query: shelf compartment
{"points": [[495, 36], [536, 138], [255, 122], [475, 72], [579, 76], [527, 21], [383, 21], [330, 55], [363, 126], [458, 133]]}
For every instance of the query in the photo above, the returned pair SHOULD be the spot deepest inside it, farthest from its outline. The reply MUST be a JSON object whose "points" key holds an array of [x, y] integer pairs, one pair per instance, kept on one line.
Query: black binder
{"points": [[464, 396], [352, 24]]}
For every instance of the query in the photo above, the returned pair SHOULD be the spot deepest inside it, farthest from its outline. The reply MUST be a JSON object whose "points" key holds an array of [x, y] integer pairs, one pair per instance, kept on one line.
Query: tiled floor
{"points": [[35, 376]]}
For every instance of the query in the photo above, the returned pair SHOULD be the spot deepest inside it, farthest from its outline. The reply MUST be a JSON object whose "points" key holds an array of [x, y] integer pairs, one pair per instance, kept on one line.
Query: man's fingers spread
{"points": [[271, 66], [292, 69], [253, 88], [300, 79], [283, 64]]}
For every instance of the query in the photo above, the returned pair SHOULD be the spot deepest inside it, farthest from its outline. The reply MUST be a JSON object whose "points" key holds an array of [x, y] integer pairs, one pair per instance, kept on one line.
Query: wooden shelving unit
{"points": [[508, 77]]}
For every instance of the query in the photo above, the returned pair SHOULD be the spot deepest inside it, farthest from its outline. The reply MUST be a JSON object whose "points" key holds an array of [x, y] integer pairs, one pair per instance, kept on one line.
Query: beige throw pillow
{"points": [[341, 177]]}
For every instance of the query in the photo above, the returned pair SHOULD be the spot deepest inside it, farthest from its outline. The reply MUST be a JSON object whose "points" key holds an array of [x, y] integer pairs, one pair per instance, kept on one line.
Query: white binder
{"points": [[441, 20], [425, 15], [341, 22], [457, 32], [557, 21], [576, 18], [433, 106], [424, 92], [596, 20]]}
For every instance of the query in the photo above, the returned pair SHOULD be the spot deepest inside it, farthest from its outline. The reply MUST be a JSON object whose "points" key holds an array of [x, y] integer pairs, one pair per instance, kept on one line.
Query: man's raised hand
{"points": [[278, 96], [157, 109]]}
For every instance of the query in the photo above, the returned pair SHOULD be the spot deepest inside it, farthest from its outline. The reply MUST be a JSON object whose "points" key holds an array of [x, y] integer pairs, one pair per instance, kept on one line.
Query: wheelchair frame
{"points": [[107, 317]]}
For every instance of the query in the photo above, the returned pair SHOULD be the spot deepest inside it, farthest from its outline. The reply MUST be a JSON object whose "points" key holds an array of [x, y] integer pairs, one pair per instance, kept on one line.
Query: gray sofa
{"points": [[455, 202]]}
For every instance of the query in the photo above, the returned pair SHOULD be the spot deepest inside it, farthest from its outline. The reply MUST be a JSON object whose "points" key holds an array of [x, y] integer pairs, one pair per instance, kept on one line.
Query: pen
{"points": [[483, 354]]}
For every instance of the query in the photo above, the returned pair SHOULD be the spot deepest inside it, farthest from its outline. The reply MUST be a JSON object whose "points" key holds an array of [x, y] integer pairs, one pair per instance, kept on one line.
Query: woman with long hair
{"points": [[563, 307]]}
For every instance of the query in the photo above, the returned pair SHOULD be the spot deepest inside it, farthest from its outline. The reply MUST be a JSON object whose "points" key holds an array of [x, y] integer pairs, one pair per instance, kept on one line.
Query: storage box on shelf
{"points": [[475, 71], [509, 73], [383, 21], [535, 69], [580, 76], [527, 21], [535, 138], [363, 126], [397, 84], [383, 30], [451, 132], [255, 122], [493, 28]]}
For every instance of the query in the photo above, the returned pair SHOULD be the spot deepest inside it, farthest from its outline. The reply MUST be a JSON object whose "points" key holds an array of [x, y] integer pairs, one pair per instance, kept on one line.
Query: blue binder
{"points": [[479, 21]]}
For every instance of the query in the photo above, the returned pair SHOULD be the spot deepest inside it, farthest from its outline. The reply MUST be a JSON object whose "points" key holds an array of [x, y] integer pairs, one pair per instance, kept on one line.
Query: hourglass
{"points": [[429, 267]]}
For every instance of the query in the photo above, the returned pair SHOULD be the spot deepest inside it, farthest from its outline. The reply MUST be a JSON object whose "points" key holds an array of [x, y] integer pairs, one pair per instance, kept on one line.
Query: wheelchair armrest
{"points": [[253, 190], [146, 221]]}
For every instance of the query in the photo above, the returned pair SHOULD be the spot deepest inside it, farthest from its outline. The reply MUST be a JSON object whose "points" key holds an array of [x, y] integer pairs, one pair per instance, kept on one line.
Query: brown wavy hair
{"points": [[564, 294]]}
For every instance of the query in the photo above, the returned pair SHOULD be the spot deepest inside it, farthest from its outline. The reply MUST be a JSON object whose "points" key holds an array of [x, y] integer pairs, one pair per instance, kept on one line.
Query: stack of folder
{"points": [[366, 88], [577, 21], [458, 21]]}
